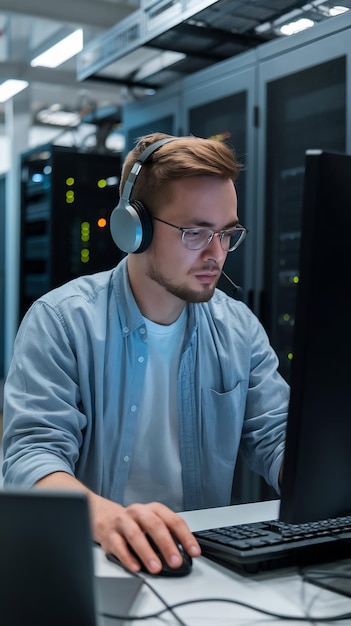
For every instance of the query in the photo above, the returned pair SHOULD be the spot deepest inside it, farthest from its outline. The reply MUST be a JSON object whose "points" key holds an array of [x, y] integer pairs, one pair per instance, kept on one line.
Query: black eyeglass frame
{"points": [[211, 234]]}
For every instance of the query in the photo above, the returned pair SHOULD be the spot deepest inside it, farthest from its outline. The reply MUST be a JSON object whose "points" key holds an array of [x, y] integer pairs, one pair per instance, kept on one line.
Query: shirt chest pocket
{"points": [[222, 420]]}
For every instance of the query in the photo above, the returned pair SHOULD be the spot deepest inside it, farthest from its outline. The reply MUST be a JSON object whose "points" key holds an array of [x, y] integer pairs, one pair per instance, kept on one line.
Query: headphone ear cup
{"points": [[131, 227], [130, 222], [146, 224]]}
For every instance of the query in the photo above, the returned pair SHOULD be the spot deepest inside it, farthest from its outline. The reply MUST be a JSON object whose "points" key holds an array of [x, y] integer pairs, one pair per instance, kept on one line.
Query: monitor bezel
{"points": [[317, 463]]}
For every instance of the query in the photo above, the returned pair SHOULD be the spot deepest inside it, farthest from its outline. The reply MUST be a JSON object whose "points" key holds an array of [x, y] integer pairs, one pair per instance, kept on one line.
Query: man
{"points": [[138, 384]]}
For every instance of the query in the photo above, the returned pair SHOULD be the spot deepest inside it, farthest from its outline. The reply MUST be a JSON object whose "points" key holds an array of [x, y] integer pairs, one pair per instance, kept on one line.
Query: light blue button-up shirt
{"points": [[74, 387]]}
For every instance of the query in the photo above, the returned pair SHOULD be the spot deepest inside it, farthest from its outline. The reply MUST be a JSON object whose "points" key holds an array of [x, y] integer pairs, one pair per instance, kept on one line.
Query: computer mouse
{"points": [[183, 570]]}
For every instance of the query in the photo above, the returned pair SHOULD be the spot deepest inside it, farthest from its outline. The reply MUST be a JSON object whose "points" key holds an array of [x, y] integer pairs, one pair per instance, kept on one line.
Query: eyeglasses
{"points": [[198, 238]]}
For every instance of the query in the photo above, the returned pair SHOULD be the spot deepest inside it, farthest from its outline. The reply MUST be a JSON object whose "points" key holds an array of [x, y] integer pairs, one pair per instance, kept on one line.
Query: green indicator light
{"points": [[70, 181], [290, 356], [69, 200], [85, 231], [84, 255], [286, 317], [102, 183], [296, 279]]}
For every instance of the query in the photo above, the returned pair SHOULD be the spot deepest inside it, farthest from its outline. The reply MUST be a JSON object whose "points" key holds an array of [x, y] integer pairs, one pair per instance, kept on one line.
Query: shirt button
{"points": [[142, 331], [126, 329], [141, 359], [133, 408], [126, 458]]}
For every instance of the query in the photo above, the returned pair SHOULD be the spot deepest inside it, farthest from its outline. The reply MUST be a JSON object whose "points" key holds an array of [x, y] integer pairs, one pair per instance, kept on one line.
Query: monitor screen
{"points": [[317, 464]]}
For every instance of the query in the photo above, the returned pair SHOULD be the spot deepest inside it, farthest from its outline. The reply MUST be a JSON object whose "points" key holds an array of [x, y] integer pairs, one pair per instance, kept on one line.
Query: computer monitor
{"points": [[317, 465]]}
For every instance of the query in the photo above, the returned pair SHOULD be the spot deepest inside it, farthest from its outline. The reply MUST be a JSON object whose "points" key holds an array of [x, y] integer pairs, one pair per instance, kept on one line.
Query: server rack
{"points": [[304, 106], [66, 200]]}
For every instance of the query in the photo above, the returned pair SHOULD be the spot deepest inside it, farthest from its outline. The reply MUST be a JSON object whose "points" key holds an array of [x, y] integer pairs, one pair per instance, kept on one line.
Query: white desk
{"points": [[281, 591]]}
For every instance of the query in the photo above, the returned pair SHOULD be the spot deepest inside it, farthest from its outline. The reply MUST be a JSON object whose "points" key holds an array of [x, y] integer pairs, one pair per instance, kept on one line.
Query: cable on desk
{"points": [[297, 618], [168, 608]]}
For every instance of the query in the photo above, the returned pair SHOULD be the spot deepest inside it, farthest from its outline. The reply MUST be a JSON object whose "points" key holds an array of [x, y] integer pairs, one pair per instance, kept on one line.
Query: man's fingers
{"points": [[165, 528], [141, 554], [126, 533], [179, 531], [130, 545]]}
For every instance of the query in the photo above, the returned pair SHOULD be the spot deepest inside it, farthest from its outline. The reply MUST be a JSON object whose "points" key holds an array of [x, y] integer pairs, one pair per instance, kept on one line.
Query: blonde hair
{"points": [[184, 157]]}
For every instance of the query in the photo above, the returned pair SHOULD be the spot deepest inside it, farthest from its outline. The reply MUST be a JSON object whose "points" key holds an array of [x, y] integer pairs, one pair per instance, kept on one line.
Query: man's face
{"points": [[191, 275]]}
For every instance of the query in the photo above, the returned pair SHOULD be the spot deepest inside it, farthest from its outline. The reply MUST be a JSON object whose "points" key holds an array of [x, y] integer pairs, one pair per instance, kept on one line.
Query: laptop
{"points": [[47, 567]]}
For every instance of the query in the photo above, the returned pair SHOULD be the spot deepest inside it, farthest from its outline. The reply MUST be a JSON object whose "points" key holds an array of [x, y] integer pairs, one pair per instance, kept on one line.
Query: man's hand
{"points": [[116, 528]]}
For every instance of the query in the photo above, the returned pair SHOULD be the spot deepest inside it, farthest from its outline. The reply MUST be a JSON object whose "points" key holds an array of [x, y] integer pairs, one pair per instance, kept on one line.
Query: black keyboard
{"points": [[261, 546]]}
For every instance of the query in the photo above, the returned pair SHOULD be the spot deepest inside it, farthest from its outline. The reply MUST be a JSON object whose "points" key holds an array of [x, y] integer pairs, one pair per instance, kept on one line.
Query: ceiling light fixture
{"points": [[296, 27], [53, 116], [337, 10], [61, 51], [163, 61], [10, 88]]}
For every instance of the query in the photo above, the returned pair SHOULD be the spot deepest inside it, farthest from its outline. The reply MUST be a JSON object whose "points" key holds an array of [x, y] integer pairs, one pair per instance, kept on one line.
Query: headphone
{"points": [[130, 222]]}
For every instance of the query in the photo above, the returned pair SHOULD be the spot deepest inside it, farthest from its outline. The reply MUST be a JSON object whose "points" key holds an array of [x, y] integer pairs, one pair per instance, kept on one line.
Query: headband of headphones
{"points": [[131, 223]]}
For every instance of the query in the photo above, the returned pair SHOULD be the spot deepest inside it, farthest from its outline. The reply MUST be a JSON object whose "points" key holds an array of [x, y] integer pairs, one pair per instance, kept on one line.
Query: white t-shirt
{"points": [[156, 472]]}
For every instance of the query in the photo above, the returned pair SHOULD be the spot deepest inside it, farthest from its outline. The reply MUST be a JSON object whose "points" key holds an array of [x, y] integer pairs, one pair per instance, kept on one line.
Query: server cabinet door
{"points": [[304, 105]]}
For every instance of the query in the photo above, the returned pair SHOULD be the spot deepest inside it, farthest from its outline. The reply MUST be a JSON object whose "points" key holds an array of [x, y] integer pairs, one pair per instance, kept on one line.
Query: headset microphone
{"points": [[130, 222], [237, 290]]}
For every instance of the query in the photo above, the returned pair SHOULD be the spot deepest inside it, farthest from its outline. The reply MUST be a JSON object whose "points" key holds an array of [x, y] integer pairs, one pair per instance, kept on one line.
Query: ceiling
{"points": [[24, 29], [127, 44]]}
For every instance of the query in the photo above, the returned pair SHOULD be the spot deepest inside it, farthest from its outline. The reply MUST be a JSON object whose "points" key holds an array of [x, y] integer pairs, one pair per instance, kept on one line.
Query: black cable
{"points": [[168, 607], [297, 618]]}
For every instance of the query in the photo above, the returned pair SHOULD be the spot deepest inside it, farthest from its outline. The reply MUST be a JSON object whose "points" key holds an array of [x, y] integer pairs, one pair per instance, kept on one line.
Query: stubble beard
{"points": [[183, 292]]}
